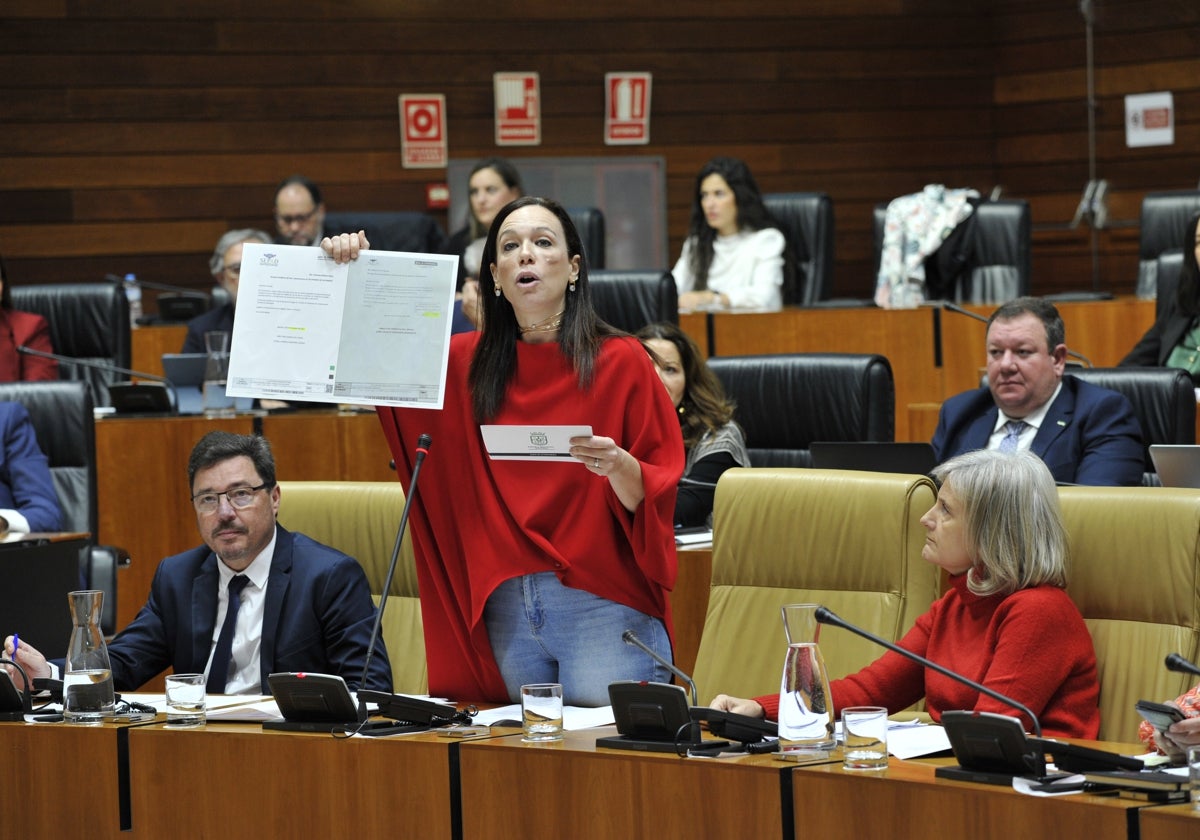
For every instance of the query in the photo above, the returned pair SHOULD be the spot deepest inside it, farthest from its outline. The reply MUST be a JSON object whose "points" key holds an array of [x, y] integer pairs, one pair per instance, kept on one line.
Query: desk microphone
{"points": [[423, 444], [827, 616], [160, 287], [630, 638], [1175, 662], [139, 395]]}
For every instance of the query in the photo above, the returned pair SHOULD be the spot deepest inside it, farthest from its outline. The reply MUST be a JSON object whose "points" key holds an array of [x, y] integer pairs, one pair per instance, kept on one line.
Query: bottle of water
{"points": [[133, 293]]}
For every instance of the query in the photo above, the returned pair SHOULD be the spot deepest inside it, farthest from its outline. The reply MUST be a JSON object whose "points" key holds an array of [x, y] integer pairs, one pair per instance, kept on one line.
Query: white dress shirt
{"points": [[244, 676]]}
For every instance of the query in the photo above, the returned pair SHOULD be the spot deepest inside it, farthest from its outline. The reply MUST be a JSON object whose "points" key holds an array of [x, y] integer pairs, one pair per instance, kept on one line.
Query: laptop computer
{"points": [[1177, 464], [874, 456], [186, 372]]}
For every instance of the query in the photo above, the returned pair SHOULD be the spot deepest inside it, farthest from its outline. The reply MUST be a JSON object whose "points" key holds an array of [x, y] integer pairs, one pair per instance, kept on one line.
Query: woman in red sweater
{"points": [[1006, 621]]}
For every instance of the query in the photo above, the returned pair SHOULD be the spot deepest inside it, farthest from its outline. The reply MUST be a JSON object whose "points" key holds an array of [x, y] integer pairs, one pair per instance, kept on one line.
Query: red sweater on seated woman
{"points": [[1006, 622], [23, 329]]}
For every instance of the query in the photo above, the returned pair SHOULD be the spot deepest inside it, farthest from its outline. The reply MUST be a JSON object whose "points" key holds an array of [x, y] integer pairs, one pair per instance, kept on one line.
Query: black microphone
{"points": [[160, 287], [827, 616], [1175, 662], [147, 398], [630, 638], [423, 443]]}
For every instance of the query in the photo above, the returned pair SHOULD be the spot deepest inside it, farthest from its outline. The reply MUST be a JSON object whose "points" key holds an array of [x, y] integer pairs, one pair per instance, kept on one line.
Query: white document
{"points": [[375, 331], [531, 443]]}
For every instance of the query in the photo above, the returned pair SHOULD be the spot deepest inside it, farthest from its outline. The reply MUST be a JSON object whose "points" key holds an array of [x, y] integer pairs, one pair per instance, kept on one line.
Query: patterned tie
{"points": [[1012, 434], [218, 672]]}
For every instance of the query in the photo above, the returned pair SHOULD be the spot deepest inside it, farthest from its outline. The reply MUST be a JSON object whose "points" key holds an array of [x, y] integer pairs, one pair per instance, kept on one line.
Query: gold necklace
{"points": [[542, 326]]}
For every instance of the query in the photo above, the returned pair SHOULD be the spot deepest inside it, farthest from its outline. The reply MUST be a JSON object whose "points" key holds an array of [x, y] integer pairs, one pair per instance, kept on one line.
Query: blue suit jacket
{"points": [[220, 319], [1089, 436], [318, 617], [25, 482]]}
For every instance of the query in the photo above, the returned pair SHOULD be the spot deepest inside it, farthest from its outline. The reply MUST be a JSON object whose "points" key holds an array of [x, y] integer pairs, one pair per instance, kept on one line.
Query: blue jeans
{"points": [[544, 632]]}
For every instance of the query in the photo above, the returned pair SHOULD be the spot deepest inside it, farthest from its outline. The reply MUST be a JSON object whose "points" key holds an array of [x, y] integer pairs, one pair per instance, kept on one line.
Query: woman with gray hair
{"points": [[1005, 620], [226, 267]]}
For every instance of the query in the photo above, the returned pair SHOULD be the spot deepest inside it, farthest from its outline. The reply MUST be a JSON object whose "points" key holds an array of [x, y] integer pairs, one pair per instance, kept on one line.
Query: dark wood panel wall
{"points": [[134, 134]]}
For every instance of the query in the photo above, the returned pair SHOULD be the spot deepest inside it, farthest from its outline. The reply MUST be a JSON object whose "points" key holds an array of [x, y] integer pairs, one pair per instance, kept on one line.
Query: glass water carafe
{"points": [[87, 675], [216, 375], [806, 718]]}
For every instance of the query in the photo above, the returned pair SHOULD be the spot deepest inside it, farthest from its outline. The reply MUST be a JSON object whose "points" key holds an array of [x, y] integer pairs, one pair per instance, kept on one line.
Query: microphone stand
{"points": [[827, 616], [630, 638], [172, 396], [423, 444]]}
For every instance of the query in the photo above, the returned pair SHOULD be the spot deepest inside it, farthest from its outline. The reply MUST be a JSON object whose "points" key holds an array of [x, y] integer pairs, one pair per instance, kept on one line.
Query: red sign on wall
{"points": [[518, 109], [423, 130], [627, 109]]}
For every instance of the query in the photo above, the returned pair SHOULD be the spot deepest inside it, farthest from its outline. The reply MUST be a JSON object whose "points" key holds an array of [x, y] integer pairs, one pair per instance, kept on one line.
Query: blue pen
{"points": [[16, 644]]}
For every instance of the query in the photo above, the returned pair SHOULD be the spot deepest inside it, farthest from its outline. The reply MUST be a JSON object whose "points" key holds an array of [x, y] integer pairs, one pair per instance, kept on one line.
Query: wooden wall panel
{"points": [[134, 134]]}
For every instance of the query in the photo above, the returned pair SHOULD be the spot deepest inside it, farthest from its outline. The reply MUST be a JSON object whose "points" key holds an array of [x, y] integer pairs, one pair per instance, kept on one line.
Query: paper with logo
{"points": [[531, 443], [375, 331]]}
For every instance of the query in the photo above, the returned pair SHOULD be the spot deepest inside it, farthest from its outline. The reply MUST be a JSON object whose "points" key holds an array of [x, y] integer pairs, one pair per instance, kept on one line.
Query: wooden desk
{"points": [[235, 780], [1169, 822], [906, 801], [689, 605], [571, 789], [934, 353], [63, 781]]}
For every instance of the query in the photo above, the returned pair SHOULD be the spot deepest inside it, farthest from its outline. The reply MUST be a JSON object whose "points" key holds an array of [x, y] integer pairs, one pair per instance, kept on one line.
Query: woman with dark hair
{"points": [[23, 329], [734, 255], [493, 183], [711, 438], [531, 570], [1174, 338]]}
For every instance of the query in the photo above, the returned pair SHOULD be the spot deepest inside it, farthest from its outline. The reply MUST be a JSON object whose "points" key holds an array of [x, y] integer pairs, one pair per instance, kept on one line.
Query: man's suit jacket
{"points": [[1089, 436], [220, 319], [318, 617], [25, 482]]}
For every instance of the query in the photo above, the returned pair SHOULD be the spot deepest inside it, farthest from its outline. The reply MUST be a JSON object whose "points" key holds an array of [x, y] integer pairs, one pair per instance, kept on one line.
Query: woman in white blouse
{"points": [[734, 254]]}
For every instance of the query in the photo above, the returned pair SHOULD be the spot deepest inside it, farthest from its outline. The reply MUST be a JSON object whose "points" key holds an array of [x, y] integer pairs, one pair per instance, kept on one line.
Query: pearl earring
{"points": [[497, 291], [572, 287]]}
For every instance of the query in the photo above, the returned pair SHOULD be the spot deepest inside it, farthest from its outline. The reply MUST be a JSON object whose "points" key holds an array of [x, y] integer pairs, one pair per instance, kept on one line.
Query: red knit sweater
{"points": [[1031, 645]]}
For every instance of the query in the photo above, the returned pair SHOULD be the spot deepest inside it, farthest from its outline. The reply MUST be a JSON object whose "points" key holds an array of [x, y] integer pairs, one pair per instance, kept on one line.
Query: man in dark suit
{"points": [[28, 501], [1084, 434], [300, 605], [226, 267]]}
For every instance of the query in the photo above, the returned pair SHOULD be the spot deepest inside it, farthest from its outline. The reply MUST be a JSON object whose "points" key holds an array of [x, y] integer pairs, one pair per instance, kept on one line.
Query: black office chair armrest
{"points": [[103, 561]]}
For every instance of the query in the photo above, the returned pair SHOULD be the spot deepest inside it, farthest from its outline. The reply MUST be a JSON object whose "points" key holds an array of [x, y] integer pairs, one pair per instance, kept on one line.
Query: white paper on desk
{"points": [[531, 443], [914, 741], [375, 331], [256, 712], [574, 717]]}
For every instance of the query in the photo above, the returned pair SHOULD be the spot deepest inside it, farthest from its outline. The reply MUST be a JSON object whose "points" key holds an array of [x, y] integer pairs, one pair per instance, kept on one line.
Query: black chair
{"points": [[986, 260], [1163, 399], [1167, 268], [1164, 219], [415, 233], [806, 219], [785, 402], [62, 419], [89, 322], [589, 222], [631, 299]]}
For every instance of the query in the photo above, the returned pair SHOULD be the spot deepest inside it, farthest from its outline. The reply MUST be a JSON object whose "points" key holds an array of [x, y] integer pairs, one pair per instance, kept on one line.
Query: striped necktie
{"points": [[1012, 434]]}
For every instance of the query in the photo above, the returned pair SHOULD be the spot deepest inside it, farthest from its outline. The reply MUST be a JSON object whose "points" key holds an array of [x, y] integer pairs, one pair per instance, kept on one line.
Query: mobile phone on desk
{"points": [[1159, 715]]}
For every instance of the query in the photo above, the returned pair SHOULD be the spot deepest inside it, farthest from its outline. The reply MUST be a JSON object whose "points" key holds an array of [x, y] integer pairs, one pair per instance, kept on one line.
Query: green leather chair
{"points": [[360, 519], [849, 540]]}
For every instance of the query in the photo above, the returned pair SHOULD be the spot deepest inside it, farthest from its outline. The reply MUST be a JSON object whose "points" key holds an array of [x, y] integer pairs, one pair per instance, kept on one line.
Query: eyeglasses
{"points": [[239, 497], [234, 269], [298, 219]]}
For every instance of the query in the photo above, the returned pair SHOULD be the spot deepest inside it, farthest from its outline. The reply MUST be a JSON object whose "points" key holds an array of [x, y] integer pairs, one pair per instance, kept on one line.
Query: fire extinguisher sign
{"points": [[423, 130], [626, 109]]}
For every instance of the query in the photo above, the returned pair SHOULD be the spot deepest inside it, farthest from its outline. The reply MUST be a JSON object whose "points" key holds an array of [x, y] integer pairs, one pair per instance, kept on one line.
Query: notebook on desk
{"points": [[874, 456], [1177, 465], [186, 372]]}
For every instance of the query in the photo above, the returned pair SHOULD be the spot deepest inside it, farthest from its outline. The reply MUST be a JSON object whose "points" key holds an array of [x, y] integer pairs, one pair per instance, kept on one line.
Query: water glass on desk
{"points": [[1193, 760], [542, 712], [864, 738], [186, 701]]}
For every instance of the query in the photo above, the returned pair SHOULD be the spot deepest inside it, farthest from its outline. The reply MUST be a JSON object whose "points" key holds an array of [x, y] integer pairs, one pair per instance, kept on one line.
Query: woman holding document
{"points": [[530, 571], [1006, 621]]}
